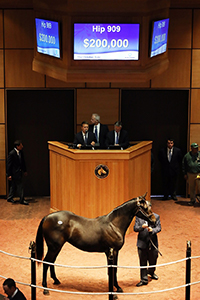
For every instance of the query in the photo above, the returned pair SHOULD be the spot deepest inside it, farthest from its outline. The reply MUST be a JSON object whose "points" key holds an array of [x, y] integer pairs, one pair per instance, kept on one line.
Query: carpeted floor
{"points": [[179, 222]]}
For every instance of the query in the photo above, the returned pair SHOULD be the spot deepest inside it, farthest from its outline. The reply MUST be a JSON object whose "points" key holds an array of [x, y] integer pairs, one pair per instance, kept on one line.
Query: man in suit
{"points": [[170, 158], [12, 291], [118, 136], [147, 243], [100, 130], [16, 169], [84, 137]]}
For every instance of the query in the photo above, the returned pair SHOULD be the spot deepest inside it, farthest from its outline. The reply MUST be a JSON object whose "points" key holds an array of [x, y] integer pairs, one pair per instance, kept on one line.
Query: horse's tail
{"points": [[40, 241]]}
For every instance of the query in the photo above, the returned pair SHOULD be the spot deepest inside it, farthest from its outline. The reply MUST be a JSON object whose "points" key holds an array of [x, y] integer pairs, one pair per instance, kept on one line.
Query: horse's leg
{"points": [[115, 259], [52, 271], [50, 257]]}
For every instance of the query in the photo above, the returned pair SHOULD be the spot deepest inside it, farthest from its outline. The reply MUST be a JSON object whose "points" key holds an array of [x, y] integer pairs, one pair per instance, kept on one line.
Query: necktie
{"points": [[170, 155], [117, 138], [86, 138], [96, 133]]}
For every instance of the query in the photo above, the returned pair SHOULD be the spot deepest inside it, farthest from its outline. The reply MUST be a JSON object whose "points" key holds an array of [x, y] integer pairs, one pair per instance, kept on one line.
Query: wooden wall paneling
{"points": [[2, 141], [195, 133], [180, 28], [18, 69], [195, 68], [178, 73], [195, 106], [196, 29], [105, 102], [131, 84], [55, 83], [1, 68], [185, 3], [2, 177], [97, 84], [16, 4], [1, 28], [19, 28], [2, 113]]}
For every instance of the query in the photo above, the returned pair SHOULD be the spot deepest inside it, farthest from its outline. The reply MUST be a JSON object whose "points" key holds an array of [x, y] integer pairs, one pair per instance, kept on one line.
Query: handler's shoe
{"points": [[154, 276], [142, 283]]}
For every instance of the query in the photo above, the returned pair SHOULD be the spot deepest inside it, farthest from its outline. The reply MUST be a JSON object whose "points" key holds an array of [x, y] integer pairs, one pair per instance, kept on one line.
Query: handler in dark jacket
{"points": [[147, 244], [16, 168], [12, 291]]}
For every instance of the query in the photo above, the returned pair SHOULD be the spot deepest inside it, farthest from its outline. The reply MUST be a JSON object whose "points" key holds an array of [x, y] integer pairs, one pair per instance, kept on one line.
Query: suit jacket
{"points": [[19, 296], [170, 168], [79, 138], [144, 235], [123, 138], [102, 134], [15, 165]]}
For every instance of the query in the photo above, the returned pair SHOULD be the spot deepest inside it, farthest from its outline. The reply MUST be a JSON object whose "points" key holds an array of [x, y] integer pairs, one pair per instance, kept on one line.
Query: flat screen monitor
{"points": [[159, 37], [47, 37], [97, 41]]}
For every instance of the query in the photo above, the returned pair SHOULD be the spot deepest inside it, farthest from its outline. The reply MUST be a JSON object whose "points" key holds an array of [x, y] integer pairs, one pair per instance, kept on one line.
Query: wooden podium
{"points": [[92, 183]]}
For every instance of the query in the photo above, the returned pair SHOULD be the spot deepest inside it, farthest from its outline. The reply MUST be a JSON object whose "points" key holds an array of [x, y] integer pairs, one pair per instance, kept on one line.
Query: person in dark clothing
{"points": [[100, 130], [170, 158], [16, 169], [147, 244], [118, 136], [84, 137], [12, 291]]}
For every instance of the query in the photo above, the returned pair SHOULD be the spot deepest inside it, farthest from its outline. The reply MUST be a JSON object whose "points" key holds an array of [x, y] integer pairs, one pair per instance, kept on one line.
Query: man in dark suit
{"points": [[84, 137], [147, 244], [100, 130], [170, 158], [118, 136], [12, 291], [16, 168]]}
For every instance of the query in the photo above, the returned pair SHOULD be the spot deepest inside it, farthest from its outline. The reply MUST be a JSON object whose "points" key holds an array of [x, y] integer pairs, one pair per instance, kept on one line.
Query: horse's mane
{"points": [[122, 208]]}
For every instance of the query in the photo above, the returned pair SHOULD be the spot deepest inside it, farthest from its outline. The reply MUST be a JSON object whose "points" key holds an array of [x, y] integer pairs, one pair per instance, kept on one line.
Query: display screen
{"points": [[47, 37], [106, 41], [159, 37]]}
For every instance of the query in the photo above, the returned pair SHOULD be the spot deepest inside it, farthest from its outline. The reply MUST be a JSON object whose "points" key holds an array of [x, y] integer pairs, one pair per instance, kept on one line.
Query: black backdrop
{"points": [[157, 115], [35, 117]]}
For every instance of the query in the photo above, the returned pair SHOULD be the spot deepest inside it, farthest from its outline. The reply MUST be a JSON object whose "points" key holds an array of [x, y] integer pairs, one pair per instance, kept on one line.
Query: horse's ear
{"points": [[143, 197]]}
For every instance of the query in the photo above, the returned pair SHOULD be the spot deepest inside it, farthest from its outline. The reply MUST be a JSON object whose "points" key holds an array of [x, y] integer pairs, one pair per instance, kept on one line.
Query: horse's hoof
{"points": [[119, 290], [56, 281], [46, 292]]}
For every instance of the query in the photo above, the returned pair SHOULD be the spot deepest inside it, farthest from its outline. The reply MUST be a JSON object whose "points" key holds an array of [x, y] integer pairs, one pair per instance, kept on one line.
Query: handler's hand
{"points": [[150, 229], [144, 225]]}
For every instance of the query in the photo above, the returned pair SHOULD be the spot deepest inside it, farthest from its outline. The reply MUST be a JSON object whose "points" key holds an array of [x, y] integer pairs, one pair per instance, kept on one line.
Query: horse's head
{"points": [[144, 210]]}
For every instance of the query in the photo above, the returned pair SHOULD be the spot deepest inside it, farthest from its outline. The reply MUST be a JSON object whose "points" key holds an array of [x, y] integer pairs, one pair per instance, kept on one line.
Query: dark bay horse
{"points": [[93, 235]]}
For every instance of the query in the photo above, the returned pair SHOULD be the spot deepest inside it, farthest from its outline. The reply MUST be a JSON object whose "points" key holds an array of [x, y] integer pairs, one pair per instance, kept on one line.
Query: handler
{"points": [[147, 244], [12, 291]]}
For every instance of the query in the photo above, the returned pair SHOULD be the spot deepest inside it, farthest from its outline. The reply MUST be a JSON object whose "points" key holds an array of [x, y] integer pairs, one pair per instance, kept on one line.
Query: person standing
{"points": [[84, 137], [147, 243], [100, 130], [118, 136], [12, 291], [16, 169], [191, 169], [170, 158]]}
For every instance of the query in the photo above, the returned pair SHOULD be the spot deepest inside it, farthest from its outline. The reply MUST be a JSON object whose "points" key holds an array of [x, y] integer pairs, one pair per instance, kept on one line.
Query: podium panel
{"points": [[92, 183]]}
